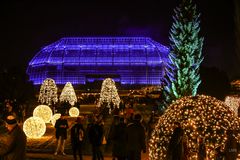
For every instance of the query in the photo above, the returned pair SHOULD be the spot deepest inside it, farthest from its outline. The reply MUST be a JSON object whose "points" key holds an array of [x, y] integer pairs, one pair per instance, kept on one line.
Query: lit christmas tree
{"points": [[182, 73], [68, 94], [109, 93], [199, 116], [48, 92]]}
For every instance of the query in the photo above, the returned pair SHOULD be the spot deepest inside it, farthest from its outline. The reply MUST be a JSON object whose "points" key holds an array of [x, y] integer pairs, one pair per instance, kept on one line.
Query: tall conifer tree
{"points": [[182, 73]]}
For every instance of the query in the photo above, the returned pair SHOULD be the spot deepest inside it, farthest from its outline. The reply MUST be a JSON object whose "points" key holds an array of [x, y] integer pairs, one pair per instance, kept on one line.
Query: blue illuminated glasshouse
{"points": [[81, 60]]}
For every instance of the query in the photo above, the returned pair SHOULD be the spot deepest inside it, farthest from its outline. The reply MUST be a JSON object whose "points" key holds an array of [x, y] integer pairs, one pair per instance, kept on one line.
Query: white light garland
{"points": [[34, 127], [74, 112], [109, 93], [54, 118], [44, 112], [68, 94], [199, 115], [48, 92], [233, 102]]}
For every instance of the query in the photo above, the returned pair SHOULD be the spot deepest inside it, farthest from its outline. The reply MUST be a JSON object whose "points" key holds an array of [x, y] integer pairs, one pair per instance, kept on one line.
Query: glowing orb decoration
{"points": [[74, 112], [34, 127], [54, 118], [199, 116], [44, 112]]}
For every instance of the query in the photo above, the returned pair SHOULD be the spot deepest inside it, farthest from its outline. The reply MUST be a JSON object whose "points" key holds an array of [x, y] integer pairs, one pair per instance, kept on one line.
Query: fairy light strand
{"points": [[109, 93], [48, 92], [68, 94], [34, 127], [44, 112], [199, 115]]}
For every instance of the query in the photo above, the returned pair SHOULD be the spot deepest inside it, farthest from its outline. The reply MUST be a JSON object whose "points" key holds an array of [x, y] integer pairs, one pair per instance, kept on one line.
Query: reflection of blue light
{"points": [[128, 60]]}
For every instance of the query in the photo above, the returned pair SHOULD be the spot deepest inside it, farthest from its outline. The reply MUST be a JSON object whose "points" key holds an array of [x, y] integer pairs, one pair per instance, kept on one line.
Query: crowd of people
{"points": [[127, 137], [127, 134]]}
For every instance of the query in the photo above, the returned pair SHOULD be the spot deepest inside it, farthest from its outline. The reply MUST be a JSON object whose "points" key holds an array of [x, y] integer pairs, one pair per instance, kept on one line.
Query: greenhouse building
{"points": [[82, 60]]}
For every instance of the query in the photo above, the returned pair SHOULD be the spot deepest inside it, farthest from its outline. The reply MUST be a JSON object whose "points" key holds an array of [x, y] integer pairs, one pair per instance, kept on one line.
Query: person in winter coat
{"points": [[77, 135], [95, 135], [119, 140], [135, 138], [61, 126], [13, 142], [176, 147]]}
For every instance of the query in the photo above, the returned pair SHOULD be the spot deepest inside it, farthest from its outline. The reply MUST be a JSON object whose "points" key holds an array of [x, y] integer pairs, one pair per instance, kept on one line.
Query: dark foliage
{"points": [[214, 83]]}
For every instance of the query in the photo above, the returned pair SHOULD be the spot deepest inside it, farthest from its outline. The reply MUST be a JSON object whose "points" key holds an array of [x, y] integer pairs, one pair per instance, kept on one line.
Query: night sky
{"points": [[28, 26]]}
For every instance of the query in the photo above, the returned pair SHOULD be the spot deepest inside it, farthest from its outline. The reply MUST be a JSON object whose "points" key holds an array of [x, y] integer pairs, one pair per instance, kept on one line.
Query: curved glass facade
{"points": [[79, 60]]}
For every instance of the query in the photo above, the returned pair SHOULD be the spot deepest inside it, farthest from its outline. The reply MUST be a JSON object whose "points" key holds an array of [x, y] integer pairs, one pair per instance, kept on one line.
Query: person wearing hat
{"points": [[9, 110], [13, 143], [77, 135], [135, 138]]}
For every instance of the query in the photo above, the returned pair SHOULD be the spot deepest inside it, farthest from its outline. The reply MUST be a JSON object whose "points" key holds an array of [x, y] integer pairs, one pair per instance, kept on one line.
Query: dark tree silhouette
{"points": [[214, 83], [14, 85]]}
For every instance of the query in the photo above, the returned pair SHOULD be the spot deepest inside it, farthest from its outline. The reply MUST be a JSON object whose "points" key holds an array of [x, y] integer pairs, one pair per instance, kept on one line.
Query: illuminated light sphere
{"points": [[74, 112], [54, 118], [199, 116], [44, 112], [34, 127]]}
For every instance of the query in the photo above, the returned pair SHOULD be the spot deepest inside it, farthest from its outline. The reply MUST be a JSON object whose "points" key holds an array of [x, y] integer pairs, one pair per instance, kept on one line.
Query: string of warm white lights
{"points": [[199, 116], [68, 94], [48, 92], [109, 93], [54, 118], [44, 112], [34, 127], [233, 102], [74, 112]]}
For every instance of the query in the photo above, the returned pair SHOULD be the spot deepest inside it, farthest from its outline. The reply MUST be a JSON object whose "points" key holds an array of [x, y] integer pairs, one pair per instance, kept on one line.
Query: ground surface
{"points": [[45, 156]]}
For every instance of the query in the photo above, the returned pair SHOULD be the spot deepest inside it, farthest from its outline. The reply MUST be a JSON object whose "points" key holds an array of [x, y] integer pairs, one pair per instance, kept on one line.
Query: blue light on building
{"points": [[81, 60]]}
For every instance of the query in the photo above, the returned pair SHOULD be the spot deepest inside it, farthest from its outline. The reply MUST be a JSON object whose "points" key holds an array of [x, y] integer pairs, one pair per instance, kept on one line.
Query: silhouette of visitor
{"points": [[13, 142], [119, 140], [61, 126], [95, 135], [77, 135], [135, 136], [175, 148]]}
